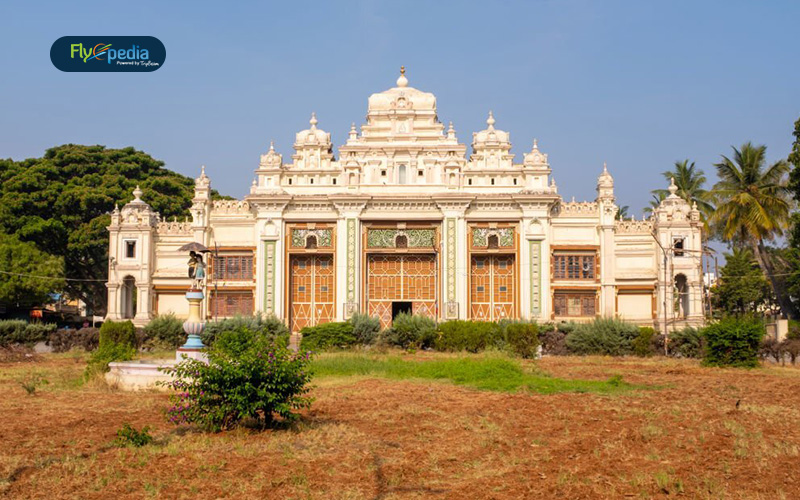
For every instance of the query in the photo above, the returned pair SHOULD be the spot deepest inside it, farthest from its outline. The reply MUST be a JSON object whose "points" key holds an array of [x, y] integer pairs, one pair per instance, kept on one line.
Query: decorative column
{"points": [[454, 255], [193, 327], [348, 247]]}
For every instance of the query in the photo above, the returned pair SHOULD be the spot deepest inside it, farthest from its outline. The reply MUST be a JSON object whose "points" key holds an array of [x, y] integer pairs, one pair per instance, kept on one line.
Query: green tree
{"points": [[793, 252], [742, 287], [690, 181], [60, 203], [753, 207], [622, 214], [19, 263]]}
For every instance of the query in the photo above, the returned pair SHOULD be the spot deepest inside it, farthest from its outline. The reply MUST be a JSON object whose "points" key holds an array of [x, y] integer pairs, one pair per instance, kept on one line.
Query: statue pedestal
{"points": [[197, 354], [193, 327]]}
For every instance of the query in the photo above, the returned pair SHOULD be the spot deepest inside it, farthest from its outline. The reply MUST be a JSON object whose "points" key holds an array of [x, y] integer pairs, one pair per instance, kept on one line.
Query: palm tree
{"points": [[622, 214], [753, 206], [690, 181], [655, 202]]}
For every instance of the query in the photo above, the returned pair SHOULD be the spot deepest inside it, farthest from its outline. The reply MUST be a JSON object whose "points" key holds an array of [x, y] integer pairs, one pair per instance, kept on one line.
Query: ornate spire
{"points": [[451, 132], [353, 131], [672, 187], [271, 146], [605, 168], [490, 121], [535, 143], [402, 81], [137, 195], [313, 121]]}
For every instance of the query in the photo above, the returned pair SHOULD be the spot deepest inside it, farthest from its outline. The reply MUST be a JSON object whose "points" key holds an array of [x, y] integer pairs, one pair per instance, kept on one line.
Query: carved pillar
{"points": [[454, 258], [348, 247]]}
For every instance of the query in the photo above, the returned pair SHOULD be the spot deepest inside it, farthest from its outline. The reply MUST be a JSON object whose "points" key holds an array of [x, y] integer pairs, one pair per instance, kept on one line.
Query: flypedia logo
{"points": [[115, 53], [87, 55]]}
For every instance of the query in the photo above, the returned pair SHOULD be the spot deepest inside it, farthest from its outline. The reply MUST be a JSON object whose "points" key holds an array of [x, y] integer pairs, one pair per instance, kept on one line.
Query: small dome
{"points": [[491, 135], [312, 135], [605, 179], [535, 157], [402, 97]]}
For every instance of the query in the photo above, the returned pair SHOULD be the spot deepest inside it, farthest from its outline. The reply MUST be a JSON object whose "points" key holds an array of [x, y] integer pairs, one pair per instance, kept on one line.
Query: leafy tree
{"points": [[60, 204], [19, 262], [753, 206], [793, 252], [742, 287], [689, 180]]}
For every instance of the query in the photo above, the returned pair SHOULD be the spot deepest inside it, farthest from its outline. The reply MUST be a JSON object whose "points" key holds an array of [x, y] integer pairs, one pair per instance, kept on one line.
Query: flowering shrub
{"points": [[248, 376]]}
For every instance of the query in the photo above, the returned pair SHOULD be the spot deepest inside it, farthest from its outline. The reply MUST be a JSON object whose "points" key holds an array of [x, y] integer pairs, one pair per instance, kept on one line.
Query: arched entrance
{"points": [[128, 298], [681, 296]]}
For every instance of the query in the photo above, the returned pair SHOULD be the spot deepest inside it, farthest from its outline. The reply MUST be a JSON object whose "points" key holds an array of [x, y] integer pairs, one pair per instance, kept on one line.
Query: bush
{"points": [[122, 332], [15, 331], [470, 336], [522, 339], [269, 326], [794, 330], [643, 343], [686, 343], [105, 354], [771, 348], [165, 331], [733, 342], [412, 331], [553, 342], [365, 328], [66, 340], [328, 336], [129, 436], [791, 347], [606, 336], [256, 379]]}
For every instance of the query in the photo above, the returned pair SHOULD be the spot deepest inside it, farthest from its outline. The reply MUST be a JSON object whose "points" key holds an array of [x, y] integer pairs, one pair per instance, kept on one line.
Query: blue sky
{"points": [[638, 84]]}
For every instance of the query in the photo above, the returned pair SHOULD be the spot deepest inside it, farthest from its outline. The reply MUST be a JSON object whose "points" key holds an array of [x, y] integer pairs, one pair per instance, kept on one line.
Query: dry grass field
{"points": [[694, 432]]}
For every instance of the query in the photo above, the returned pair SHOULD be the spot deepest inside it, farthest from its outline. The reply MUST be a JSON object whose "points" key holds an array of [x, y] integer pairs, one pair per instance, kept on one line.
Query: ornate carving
{"points": [[579, 208], [324, 237], [480, 236], [536, 277], [174, 227], [387, 238], [351, 260], [634, 226], [231, 207], [269, 277], [451, 260]]}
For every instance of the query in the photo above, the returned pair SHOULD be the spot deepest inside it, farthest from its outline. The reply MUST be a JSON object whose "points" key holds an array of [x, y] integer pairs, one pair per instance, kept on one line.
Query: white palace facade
{"points": [[406, 220]]}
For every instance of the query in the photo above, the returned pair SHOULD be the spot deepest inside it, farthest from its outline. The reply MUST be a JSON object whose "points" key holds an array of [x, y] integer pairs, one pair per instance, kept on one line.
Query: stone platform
{"points": [[139, 375]]}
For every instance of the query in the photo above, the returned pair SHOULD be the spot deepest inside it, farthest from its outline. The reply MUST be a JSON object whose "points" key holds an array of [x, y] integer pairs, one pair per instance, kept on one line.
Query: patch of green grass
{"points": [[492, 373]]}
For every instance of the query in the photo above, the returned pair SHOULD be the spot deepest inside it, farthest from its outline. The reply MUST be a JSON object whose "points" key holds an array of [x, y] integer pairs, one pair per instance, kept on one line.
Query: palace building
{"points": [[404, 219]]}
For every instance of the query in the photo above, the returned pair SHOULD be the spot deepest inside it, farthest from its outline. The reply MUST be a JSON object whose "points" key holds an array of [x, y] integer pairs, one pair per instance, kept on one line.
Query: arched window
{"points": [[493, 241], [311, 242], [401, 174], [401, 241]]}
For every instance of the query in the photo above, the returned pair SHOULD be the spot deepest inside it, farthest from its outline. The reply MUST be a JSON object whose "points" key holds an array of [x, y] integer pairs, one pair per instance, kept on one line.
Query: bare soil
{"points": [[698, 433]]}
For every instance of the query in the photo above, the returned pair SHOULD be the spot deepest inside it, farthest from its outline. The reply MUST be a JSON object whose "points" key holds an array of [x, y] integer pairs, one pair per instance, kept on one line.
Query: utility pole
{"points": [[664, 305]]}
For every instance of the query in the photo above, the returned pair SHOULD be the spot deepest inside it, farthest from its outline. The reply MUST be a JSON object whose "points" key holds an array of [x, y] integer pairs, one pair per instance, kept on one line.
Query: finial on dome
{"points": [[137, 194], [402, 81], [490, 121], [353, 132], [451, 132], [202, 170], [672, 187], [313, 121], [271, 146], [535, 143], [605, 168]]}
